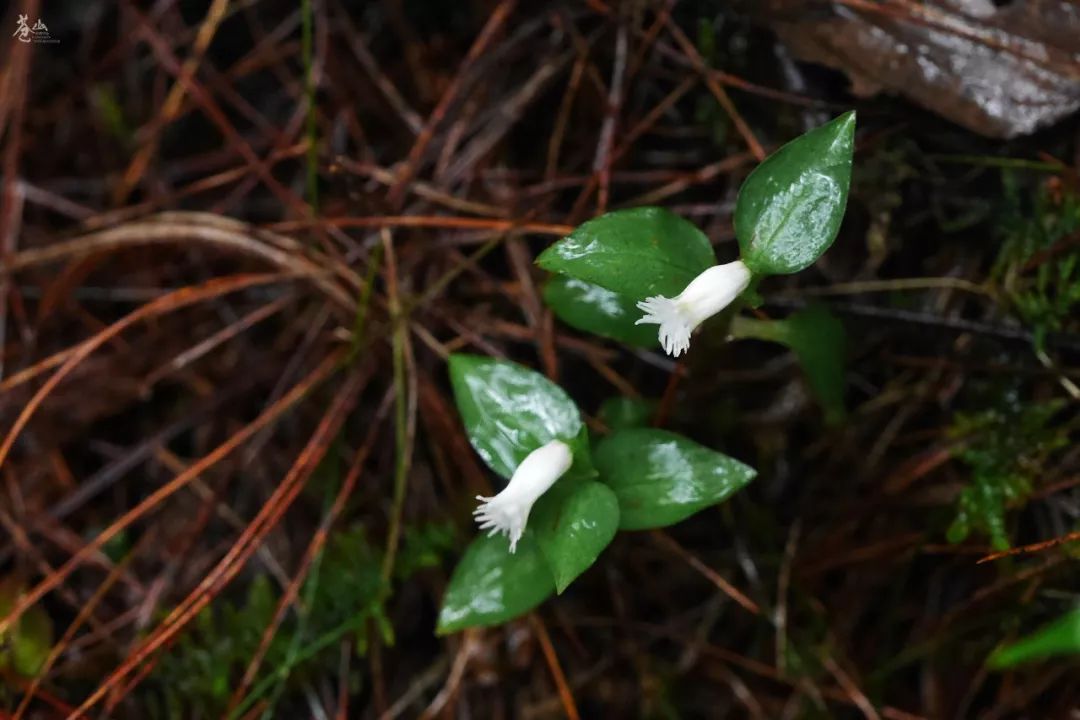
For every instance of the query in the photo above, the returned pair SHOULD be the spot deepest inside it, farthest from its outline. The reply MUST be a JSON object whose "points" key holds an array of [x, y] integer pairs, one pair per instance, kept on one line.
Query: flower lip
{"points": [[707, 294], [508, 512]]}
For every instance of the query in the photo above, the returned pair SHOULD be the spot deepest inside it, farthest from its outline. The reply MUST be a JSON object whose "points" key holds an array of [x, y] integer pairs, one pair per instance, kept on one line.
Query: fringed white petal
{"points": [[508, 512], [501, 515], [675, 324]]}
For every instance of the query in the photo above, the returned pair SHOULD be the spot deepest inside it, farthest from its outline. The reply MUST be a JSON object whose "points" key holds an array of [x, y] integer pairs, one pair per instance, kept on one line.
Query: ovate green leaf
{"points": [[622, 412], [1061, 637], [817, 338], [510, 410], [491, 586], [573, 525], [661, 478], [636, 253], [789, 209], [593, 309]]}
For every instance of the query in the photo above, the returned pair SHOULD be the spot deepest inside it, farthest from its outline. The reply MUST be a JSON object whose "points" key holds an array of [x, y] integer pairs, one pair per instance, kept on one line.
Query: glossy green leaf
{"points": [[573, 525], [593, 309], [621, 412], [817, 338], [510, 410], [491, 586], [789, 209], [661, 478], [1061, 637], [637, 253]]}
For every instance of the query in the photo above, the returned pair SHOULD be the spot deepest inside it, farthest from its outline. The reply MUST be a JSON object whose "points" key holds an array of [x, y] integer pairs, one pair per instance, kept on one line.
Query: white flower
{"points": [[707, 294], [508, 512]]}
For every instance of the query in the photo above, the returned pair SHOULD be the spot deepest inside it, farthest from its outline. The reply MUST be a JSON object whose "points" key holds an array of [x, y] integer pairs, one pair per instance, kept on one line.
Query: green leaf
{"points": [[491, 586], [110, 113], [661, 478], [1061, 637], [509, 411], [32, 642], [593, 309], [637, 253], [573, 525], [621, 412], [790, 207], [25, 646], [817, 338]]}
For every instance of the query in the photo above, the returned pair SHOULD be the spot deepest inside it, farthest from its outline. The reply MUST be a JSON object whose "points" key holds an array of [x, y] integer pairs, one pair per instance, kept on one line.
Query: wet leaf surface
{"points": [[661, 478], [637, 253], [593, 309], [573, 525], [510, 410], [790, 207], [490, 586]]}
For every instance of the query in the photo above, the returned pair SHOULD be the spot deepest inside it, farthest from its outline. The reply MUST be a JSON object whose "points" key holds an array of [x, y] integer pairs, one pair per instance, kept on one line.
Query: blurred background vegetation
{"points": [[239, 239]]}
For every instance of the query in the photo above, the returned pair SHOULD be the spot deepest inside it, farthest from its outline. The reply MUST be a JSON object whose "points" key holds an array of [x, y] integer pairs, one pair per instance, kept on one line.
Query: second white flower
{"points": [[707, 294]]}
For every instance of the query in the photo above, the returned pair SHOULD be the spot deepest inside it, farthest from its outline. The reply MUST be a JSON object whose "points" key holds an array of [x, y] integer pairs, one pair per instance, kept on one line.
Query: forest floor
{"points": [[240, 241]]}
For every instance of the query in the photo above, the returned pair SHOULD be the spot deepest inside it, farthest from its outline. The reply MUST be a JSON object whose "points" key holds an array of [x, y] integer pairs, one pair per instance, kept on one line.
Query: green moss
{"points": [[1039, 262], [343, 595], [1005, 448]]}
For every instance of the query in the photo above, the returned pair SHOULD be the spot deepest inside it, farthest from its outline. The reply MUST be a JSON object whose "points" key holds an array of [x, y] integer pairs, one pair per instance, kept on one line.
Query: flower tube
{"points": [[508, 512]]}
